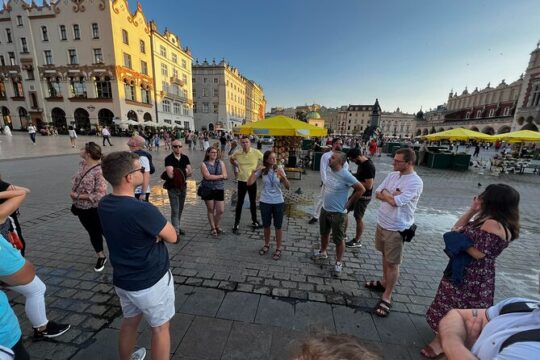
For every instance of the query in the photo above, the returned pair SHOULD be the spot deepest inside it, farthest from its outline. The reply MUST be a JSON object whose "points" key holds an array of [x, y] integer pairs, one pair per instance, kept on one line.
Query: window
{"points": [[78, 86], [17, 87], [44, 34], [194, 93], [30, 74], [162, 51], [468, 115], [8, 36], [12, 60], [175, 58], [215, 80], [48, 57], [76, 32], [204, 80], [166, 106], [186, 125], [204, 92], [103, 87], [24, 46], [184, 78], [73, 57], [205, 107], [2, 60], [142, 47], [98, 56], [127, 60], [194, 107], [145, 94], [95, 31], [216, 92], [63, 33], [165, 86], [53, 87], [491, 112], [185, 93], [175, 89], [215, 108], [125, 38], [19, 20], [184, 64], [164, 69], [129, 89], [536, 96], [176, 108], [144, 68], [506, 111], [479, 114], [193, 80], [175, 73]]}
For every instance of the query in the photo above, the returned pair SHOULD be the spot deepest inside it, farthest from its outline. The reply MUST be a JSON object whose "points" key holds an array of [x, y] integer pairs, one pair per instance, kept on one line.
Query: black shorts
{"points": [[360, 208], [216, 195]]}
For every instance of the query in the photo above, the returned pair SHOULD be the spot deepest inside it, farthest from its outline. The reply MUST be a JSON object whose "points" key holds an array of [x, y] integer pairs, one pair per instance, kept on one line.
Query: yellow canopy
{"points": [[281, 126], [520, 136], [459, 134]]}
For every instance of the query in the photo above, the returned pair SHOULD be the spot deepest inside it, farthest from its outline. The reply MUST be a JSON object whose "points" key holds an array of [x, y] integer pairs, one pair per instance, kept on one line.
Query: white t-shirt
{"points": [[145, 163], [400, 217], [72, 133], [325, 166], [31, 129], [105, 132]]}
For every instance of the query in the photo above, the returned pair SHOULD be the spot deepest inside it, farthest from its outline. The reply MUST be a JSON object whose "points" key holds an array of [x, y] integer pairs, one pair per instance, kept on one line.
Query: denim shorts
{"points": [[269, 211]]}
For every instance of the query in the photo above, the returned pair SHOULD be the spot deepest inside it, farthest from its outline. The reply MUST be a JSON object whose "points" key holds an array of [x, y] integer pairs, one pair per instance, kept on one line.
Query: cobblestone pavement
{"points": [[234, 304]]}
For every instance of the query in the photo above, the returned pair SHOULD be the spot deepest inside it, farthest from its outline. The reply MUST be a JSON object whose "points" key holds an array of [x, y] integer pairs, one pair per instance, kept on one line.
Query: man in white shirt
{"points": [[32, 132], [399, 194], [337, 145], [105, 133], [135, 144]]}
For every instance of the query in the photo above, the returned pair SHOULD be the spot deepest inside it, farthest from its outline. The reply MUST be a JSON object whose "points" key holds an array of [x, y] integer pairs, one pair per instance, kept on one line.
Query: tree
{"points": [[300, 115]]}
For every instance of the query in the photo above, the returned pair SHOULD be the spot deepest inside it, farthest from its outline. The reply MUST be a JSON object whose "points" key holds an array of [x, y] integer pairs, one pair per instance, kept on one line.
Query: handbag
{"points": [[75, 210], [13, 236], [408, 234]]}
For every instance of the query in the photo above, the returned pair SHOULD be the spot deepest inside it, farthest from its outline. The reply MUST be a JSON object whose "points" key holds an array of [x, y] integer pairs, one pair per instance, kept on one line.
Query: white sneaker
{"points": [[318, 255], [338, 268], [140, 354]]}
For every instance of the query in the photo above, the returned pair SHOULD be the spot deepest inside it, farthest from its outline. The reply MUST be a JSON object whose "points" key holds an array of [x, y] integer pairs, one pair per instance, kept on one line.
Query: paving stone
{"points": [[245, 287], [312, 296], [335, 299], [398, 323], [215, 333], [306, 287], [254, 280], [280, 292], [75, 319], [248, 341], [285, 343], [309, 316], [271, 283], [275, 312], [179, 325], [298, 294], [204, 301], [228, 285], [239, 307], [355, 322], [194, 282], [210, 283], [263, 290]]}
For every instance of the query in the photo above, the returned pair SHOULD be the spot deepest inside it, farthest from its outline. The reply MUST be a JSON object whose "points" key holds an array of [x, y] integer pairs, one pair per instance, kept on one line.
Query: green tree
{"points": [[300, 115]]}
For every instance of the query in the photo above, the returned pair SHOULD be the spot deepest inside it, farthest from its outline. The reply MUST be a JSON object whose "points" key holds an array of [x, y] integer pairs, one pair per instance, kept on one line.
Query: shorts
{"points": [[335, 222], [155, 303], [216, 195], [390, 243], [269, 211], [360, 208]]}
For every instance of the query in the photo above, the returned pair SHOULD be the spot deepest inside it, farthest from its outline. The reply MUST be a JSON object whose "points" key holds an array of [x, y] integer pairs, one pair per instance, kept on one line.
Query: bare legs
{"points": [[359, 229], [214, 212], [390, 277], [161, 339]]}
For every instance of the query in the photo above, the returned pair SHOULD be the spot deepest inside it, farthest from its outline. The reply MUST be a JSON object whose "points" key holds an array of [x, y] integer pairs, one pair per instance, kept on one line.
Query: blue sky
{"points": [[407, 53]]}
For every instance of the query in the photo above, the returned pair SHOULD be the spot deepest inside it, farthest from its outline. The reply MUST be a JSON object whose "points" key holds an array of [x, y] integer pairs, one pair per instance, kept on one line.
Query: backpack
{"points": [[147, 154]]}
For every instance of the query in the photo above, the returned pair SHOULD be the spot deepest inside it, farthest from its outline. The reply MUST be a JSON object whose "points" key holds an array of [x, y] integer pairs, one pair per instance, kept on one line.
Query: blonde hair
{"points": [[334, 347]]}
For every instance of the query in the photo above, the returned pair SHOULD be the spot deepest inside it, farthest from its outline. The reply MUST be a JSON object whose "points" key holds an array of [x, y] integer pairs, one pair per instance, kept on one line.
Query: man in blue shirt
{"points": [[136, 233], [333, 213]]}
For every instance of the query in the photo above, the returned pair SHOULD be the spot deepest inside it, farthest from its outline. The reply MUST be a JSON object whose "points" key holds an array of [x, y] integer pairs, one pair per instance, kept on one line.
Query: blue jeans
{"points": [[177, 198]]}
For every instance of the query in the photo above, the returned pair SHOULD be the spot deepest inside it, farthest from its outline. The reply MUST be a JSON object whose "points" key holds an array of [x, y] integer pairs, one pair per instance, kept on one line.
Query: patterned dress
{"points": [[478, 287]]}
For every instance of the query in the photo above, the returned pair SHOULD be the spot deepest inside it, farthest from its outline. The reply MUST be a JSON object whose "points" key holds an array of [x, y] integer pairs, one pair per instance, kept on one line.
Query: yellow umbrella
{"points": [[459, 134], [519, 136], [282, 126]]}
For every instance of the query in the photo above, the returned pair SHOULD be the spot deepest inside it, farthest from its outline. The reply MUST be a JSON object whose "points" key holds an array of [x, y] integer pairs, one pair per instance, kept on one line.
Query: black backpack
{"points": [[147, 154]]}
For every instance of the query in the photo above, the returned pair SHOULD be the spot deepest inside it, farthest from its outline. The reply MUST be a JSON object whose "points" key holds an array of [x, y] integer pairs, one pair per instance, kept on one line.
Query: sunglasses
{"points": [[132, 171], [177, 146]]}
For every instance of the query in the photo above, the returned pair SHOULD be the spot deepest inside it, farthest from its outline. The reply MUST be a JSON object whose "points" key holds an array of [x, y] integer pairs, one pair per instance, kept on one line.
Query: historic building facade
{"points": [[527, 116], [86, 63], [224, 98], [397, 124], [173, 80]]}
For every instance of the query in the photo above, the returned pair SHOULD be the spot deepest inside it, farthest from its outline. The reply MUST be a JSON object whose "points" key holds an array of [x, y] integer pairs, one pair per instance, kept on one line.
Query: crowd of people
{"points": [[144, 282]]}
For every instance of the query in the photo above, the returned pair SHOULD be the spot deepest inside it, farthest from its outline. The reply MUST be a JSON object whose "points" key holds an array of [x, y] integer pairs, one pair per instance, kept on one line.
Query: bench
{"points": [[292, 170]]}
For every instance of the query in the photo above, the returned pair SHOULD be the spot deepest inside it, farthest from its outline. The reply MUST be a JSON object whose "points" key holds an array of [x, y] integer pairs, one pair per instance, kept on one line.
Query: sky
{"points": [[407, 53]]}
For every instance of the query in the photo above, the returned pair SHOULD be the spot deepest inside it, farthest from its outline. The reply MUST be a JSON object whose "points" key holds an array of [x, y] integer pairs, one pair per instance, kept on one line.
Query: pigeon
{"points": [[479, 184], [299, 191]]}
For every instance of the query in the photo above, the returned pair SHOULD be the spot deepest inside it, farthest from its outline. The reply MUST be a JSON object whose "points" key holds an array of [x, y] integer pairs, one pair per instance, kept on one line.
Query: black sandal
{"points": [[264, 250], [277, 254], [375, 286], [382, 309]]}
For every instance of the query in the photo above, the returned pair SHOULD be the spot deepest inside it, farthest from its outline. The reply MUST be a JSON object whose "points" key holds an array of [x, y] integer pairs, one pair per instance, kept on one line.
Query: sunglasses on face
{"points": [[177, 146], [141, 169]]}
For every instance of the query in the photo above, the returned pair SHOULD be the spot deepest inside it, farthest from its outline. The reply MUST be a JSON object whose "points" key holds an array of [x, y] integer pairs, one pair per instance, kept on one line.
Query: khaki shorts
{"points": [[335, 222], [155, 303], [390, 243]]}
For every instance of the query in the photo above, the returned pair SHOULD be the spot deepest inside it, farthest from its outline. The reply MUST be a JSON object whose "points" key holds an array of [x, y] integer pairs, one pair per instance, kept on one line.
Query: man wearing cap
{"points": [[136, 144], [365, 173]]}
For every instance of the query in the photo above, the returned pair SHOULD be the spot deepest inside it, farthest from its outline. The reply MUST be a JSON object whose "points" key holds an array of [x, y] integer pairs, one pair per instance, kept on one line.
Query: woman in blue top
{"points": [[271, 200], [214, 173]]}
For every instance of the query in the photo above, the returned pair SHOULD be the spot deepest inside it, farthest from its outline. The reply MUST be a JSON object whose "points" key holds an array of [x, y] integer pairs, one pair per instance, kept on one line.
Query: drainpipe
{"points": [[153, 28]]}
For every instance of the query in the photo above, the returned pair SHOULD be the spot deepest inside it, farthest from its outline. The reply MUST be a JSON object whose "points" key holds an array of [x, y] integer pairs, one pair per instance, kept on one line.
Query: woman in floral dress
{"points": [[495, 223]]}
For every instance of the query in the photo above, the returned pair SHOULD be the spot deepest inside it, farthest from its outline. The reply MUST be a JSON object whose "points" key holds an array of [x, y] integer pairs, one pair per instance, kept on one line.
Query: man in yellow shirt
{"points": [[246, 160]]}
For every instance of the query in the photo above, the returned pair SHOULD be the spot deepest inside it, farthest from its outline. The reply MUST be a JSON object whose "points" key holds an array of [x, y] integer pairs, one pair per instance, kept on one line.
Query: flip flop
{"points": [[264, 250]]}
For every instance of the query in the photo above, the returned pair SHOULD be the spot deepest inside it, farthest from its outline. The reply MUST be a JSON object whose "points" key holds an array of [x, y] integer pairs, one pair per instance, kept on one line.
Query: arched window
{"points": [[105, 117], [82, 119], [145, 94], [131, 115], [59, 118], [147, 117]]}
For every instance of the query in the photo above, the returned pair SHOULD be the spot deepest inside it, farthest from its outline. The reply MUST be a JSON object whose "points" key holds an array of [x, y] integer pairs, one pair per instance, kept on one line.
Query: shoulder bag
{"points": [[75, 210]]}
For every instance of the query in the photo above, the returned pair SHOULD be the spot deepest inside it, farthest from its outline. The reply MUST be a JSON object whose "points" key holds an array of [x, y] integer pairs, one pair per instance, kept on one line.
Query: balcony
{"points": [[177, 81], [175, 97]]}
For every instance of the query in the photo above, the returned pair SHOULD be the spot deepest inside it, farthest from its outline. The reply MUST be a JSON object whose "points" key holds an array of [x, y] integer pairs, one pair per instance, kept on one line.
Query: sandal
{"points": [[277, 254], [264, 250], [382, 309], [375, 286], [214, 232], [220, 230], [428, 352]]}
